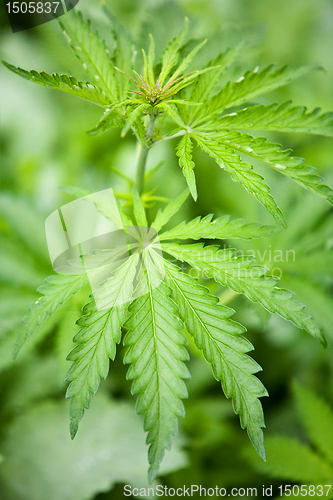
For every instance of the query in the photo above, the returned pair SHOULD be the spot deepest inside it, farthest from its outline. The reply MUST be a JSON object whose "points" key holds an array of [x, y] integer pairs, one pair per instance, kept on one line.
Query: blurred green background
{"points": [[43, 146]]}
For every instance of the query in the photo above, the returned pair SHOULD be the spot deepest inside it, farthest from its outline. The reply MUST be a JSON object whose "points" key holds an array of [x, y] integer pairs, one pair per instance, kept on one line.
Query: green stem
{"points": [[142, 161]]}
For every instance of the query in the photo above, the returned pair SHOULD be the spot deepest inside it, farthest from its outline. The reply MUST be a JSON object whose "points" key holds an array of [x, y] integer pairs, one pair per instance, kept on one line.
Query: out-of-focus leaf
{"points": [[42, 462]]}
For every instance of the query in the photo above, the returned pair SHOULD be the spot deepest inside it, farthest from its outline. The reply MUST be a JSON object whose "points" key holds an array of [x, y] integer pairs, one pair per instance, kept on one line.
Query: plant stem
{"points": [[142, 161]]}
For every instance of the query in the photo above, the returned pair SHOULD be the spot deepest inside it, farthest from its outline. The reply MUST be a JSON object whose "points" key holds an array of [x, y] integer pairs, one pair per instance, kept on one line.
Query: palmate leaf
{"points": [[244, 277], [156, 355], [272, 154], [224, 348], [252, 84], [221, 228], [241, 172], [184, 152], [281, 117], [96, 340], [68, 84], [60, 287], [91, 50]]}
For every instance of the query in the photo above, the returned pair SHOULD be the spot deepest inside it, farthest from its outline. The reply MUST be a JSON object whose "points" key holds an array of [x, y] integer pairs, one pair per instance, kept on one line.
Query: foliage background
{"points": [[43, 146]]}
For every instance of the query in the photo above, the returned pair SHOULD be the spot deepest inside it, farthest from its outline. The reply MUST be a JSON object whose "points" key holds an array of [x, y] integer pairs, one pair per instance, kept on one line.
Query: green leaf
{"points": [[109, 450], [241, 172], [221, 228], [91, 50], [253, 84], [224, 348], [206, 83], [317, 418], [151, 61], [133, 116], [289, 459], [60, 287], [186, 62], [96, 340], [156, 355], [244, 277], [124, 53], [281, 117], [139, 211], [184, 152], [69, 84], [272, 154], [163, 216], [170, 55]]}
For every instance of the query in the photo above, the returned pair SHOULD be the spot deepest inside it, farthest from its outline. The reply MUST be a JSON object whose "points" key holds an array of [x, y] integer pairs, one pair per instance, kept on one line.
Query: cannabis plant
{"points": [[147, 296]]}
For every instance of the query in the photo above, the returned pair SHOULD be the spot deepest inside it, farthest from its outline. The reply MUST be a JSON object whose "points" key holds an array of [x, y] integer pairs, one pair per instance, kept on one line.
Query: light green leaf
{"points": [[91, 50], [272, 154], [163, 216], [281, 117], [241, 172], [206, 83], [253, 84], [170, 55], [96, 340], [156, 355], [184, 152], [244, 277], [111, 118], [317, 418], [103, 455], [139, 211], [224, 348], [288, 459], [69, 84], [60, 287], [221, 228], [186, 62], [133, 116]]}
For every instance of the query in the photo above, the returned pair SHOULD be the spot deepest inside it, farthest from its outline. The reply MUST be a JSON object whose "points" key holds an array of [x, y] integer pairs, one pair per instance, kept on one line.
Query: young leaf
{"points": [[69, 84], [170, 55], [241, 172], [317, 418], [156, 355], [253, 84], [250, 280], [220, 340], [111, 118], [96, 340], [280, 160], [281, 117], [91, 50], [221, 228], [206, 83], [139, 211], [184, 152], [60, 287], [170, 210]]}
